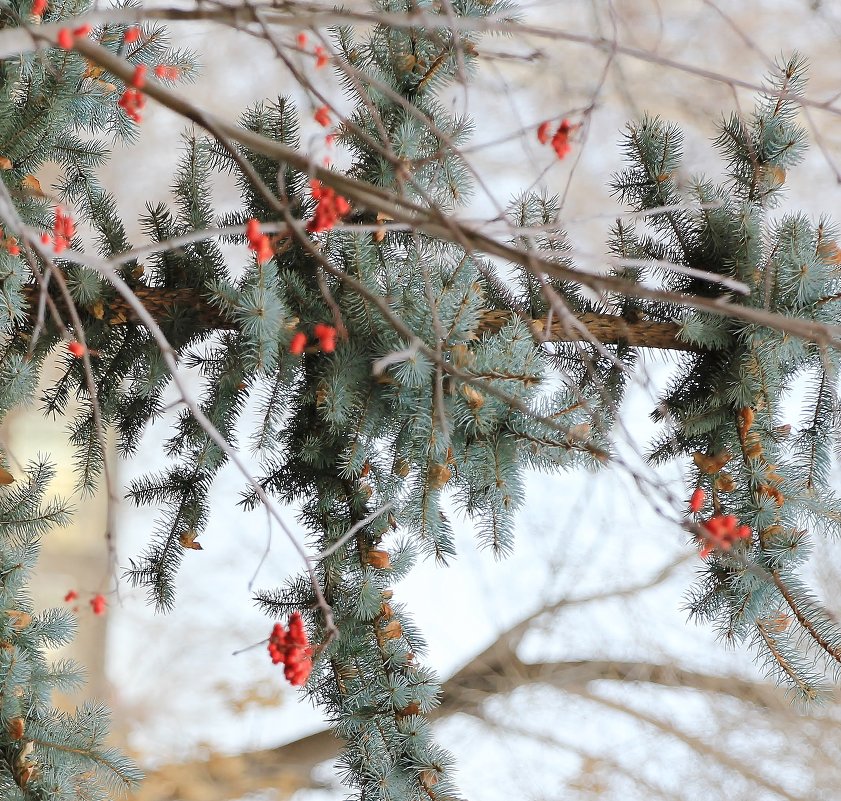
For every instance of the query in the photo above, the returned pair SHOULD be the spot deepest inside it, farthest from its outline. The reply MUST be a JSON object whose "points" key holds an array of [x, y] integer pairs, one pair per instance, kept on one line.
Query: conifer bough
{"points": [[429, 371]]}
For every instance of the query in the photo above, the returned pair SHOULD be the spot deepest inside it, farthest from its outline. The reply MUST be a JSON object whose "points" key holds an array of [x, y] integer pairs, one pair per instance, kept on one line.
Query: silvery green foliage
{"points": [[45, 754], [726, 400]]}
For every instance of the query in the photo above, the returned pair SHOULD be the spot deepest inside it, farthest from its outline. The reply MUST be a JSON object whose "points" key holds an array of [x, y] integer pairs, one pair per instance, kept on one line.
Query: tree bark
{"points": [[606, 328], [496, 670]]}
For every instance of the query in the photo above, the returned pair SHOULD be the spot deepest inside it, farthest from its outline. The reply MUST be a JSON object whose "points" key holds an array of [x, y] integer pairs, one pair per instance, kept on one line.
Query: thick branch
{"points": [[608, 329], [289, 767]]}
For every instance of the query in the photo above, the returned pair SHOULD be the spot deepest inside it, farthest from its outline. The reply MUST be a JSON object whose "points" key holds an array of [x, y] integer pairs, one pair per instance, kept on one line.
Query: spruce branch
{"points": [[438, 226], [162, 302]]}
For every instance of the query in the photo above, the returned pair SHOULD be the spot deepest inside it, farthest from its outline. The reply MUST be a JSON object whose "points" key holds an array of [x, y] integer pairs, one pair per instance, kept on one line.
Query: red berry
{"points": [[322, 116], [39, 7], [302, 39], [98, 604], [72, 595], [131, 35], [82, 30], [138, 80], [167, 72], [743, 533], [298, 343], [76, 348], [252, 229], [560, 141], [697, 500], [65, 39], [543, 133]]}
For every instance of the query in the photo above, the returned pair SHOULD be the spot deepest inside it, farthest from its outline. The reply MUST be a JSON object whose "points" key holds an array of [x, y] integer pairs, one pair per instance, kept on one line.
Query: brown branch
{"points": [[803, 620], [161, 302], [288, 768], [435, 224]]}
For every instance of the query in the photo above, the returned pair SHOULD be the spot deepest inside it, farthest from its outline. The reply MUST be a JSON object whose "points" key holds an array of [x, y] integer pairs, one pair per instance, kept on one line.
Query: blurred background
{"points": [[572, 670]]}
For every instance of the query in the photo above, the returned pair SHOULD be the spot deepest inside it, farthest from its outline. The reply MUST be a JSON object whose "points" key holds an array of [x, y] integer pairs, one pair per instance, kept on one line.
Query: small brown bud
{"points": [[769, 533], [772, 475], [428, 778], [386, 611], [462, 356], [381, 560], [475, 399], [5, 477], [411, 709], [829, 252], [20, 620], [25, 775], [745, 419], [392, 630], [406, 62], [188, 540], [754, 451], [439, 475], [711, 464], [31, 185], [97, 310], [772, 492], [779, 622], [773, 174], [724, 482], [16, 728], [401, 467], [579, 432]]}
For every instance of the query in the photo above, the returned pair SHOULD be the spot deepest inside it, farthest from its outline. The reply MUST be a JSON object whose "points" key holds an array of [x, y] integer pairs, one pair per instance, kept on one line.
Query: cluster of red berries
{"points": [[258, 241], [330, 209], [132, 101], [64, 229], [320, 53], [292, 648], [559, 140], [325, 334], [720, 531], [97, 603], [65, 36], [167, 72]]}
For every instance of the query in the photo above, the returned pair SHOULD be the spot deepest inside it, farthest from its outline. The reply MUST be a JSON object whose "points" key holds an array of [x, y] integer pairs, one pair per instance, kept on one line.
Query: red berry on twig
{"points": [[697, 501]]}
